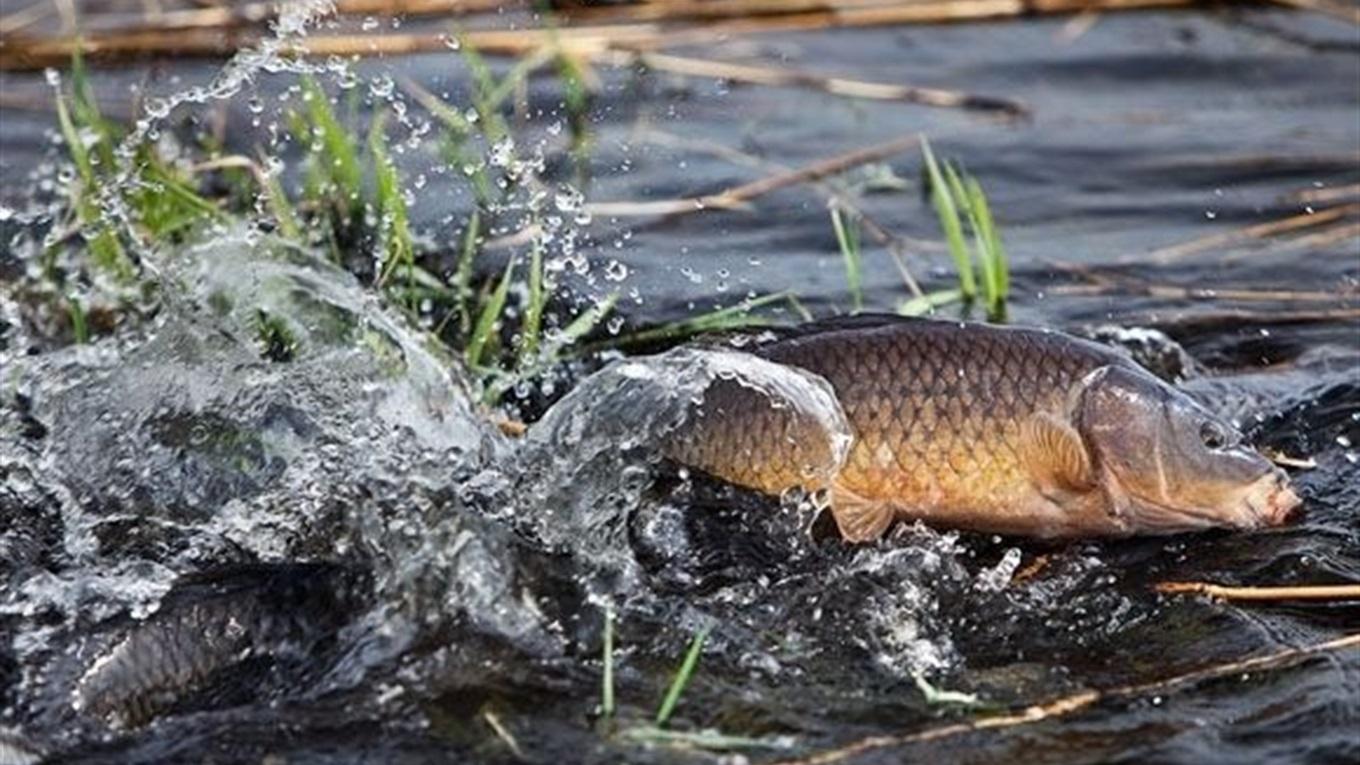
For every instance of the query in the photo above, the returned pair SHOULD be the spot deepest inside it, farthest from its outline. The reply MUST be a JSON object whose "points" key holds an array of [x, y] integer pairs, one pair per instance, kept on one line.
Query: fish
{"points": [[209, 628], [999, 429]]}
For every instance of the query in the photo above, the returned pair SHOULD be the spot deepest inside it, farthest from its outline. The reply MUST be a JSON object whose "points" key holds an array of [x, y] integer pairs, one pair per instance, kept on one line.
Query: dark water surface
{"points": [[210, 558]]}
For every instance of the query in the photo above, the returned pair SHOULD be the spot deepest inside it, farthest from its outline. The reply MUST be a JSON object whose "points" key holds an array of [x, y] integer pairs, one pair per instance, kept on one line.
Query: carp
{"points": [[1009, 430]]}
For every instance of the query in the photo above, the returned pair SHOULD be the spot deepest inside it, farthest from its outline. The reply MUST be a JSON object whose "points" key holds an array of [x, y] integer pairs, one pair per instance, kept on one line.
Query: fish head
{"points": [[1168, 465]]}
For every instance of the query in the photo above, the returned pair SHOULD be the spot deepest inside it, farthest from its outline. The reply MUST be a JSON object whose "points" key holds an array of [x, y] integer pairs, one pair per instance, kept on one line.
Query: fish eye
{"points": [[1213, 435]]}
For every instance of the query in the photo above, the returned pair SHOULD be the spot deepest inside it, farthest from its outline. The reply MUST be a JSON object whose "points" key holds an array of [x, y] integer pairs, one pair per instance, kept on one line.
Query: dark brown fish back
{"points": [[936, 409]]}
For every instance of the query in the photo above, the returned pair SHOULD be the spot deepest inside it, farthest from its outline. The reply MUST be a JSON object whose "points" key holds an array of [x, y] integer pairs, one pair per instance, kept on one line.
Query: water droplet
{"points": [[502, 152], [615, 271], [381, 86]]}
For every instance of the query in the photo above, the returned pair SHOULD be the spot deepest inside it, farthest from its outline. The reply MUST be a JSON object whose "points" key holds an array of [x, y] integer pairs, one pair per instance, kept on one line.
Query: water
{"points": [[336, 557]]}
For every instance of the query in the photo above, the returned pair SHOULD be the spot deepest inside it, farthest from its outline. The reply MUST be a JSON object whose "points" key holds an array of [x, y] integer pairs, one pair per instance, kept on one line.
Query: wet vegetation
{"points": [[254, 466]]}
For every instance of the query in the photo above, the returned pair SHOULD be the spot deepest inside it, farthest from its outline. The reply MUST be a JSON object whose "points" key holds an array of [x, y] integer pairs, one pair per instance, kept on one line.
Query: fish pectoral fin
{"points": [[860, 519], [1055, 455]]}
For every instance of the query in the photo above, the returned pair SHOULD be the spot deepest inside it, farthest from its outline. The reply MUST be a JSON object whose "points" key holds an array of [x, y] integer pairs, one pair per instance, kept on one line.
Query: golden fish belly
{"points": [[936, 411]]}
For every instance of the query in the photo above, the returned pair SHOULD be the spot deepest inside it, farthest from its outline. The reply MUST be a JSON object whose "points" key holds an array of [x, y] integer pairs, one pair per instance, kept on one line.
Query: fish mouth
{"points": [[1267, 502], [1273, 502]]}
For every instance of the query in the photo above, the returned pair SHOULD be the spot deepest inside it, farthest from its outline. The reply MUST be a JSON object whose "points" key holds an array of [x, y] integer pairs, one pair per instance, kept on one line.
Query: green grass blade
{"points": [[607, 681], [701, 739], [518, 73], [85, 109], [924, 304], [339, 156], [75, 145], [719, 320], [589, 319], [489, 316], [462, 277], [532, 325], [963, 197], [483, 98], [284, 218], [105, 249], [682, 677], [576, 97], [80, 328], [394, 226], [991, 249], [936, 696], [948, 212], [847, 236]]}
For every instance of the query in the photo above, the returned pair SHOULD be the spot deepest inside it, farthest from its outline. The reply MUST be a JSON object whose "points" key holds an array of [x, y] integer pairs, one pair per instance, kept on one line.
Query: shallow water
{"points": [[387, 577]]}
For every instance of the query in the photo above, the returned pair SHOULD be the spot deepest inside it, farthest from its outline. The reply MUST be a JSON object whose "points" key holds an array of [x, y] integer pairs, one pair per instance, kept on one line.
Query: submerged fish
{"points": [[995, 429]]}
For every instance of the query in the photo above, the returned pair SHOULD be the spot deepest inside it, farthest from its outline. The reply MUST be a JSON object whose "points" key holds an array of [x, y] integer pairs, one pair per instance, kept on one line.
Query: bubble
{"points": [[381, 86], [568, 199], [502, 152], [615, 271]]}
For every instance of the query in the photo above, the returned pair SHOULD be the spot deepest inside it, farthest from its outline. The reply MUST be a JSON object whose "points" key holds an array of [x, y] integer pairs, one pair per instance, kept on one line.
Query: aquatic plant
{"points": [[607, 678], [970, 234], [682, 677], [656, 732], [958, 199], [847, 237], [506, 316]]}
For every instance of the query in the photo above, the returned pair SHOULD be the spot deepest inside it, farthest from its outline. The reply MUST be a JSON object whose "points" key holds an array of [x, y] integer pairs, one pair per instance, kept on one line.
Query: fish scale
{"points": [[935, 409]]}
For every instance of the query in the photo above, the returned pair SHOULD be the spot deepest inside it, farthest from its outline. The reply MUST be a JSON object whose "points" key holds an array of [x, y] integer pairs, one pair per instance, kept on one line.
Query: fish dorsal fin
{"points": [[859, 519], [1055, 454]]}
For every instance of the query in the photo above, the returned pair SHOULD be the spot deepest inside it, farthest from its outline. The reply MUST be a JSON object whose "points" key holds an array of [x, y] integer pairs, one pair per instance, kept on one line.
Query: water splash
{"points": [[587, 462]]}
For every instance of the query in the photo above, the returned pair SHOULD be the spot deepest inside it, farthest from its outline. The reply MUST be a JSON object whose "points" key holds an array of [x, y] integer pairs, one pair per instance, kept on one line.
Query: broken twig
{"points": [[839, 86], [1079, 701], [1228, 592]]}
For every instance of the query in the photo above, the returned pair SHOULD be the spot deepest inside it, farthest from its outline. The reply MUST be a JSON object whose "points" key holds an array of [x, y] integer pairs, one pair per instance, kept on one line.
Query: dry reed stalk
{"points": [[823, 168], [1077, 27], [12, 23], [28, 54], [1033, 569], [764, 75], [509, 426], [1336, 10], [855, 13], [738, 196], [898, 246], [1206, 321], [1314, 241], [1326, 592], [1284, 460], [229, 15], [1173, 292], [1242, 235], [1322, 195], [1079, 701], [715, 10]]}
